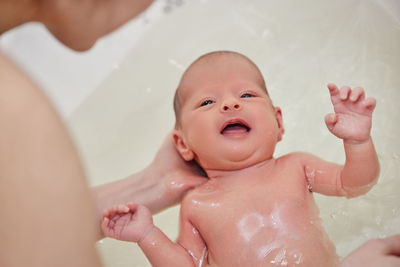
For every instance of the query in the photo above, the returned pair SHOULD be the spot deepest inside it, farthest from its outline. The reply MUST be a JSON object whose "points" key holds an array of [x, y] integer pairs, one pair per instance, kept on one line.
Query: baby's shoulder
{"points": [[191, 196], [294, 158], [202, 193], [195, 201]]}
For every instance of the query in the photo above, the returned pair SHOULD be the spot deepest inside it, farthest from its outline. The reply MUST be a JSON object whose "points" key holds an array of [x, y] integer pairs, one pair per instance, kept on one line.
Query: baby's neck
{"points": [[263, 166]]}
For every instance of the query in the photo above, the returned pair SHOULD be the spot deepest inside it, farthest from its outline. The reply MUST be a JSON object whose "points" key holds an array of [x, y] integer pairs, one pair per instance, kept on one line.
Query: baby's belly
{"points": [[284, 235]]}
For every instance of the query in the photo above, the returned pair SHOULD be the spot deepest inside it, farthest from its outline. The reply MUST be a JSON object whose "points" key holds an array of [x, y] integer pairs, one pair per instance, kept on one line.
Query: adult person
{"points": [[48, 215]]}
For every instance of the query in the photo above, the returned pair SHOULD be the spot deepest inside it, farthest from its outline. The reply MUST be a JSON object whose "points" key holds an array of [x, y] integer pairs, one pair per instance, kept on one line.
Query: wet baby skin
{"points": [[255, 210], [268, 220]]}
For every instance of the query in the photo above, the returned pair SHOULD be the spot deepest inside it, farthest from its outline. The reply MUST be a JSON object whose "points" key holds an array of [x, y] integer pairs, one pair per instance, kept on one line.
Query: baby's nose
{"points": [[231, 104]]}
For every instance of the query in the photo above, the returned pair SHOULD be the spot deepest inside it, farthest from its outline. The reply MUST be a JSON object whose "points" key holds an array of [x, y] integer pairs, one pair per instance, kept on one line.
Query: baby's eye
{"points": [[206, 102], [246, 95]]}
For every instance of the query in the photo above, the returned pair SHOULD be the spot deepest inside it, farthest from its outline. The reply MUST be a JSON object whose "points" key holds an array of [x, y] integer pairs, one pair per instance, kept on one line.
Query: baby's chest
{"points": [[262, 203]]}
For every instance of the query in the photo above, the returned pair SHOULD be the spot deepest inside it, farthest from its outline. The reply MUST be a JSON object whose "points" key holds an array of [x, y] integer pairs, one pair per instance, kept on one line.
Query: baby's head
{"points": [[225, 119]]}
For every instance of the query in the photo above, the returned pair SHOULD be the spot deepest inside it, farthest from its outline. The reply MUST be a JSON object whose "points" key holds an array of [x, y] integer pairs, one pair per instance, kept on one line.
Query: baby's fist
{"points": [[130, 222]]}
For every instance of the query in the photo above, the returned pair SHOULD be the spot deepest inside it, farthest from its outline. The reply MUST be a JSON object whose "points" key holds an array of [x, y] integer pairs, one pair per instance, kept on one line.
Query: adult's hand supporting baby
{"points": [[174, 177], [160, 185], [376, 252]]}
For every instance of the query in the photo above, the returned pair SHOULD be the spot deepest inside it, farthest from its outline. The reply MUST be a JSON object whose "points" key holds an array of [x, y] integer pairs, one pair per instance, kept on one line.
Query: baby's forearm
{"points": [[361, 169], [161, 251]]}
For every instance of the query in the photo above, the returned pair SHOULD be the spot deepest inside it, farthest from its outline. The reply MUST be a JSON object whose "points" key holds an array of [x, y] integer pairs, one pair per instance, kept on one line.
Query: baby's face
{"points": [[227, 120]]}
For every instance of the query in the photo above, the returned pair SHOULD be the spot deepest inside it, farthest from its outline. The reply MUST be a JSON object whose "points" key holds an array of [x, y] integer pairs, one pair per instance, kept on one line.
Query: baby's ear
{"points": [[279, 120], [180, 144]]}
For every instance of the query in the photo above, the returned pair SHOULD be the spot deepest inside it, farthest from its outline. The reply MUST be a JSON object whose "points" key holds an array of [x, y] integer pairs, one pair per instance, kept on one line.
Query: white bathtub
{"points": [[118, 97]]}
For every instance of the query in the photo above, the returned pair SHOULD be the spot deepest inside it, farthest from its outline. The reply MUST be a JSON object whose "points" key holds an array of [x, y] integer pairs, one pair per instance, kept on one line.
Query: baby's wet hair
{"points": [[211, 56]]}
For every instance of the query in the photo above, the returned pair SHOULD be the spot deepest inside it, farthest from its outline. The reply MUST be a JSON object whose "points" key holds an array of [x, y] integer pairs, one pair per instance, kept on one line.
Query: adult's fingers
{"points": [[392, 245]]}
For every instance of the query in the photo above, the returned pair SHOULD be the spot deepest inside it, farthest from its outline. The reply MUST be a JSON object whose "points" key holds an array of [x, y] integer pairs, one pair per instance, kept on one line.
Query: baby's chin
{"points": [[234, 163]]}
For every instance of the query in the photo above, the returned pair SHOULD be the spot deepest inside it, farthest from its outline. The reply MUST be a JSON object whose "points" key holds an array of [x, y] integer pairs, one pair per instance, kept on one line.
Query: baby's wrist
{"points": [[357, 142], [146, 237]]}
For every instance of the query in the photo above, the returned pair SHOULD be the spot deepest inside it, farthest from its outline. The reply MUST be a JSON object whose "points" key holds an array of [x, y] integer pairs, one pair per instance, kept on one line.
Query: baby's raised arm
{"points": [[133, 222], [352, 123]]}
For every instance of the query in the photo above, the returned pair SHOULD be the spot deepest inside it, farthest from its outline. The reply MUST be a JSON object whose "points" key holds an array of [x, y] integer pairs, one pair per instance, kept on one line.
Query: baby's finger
{"points": [[105, 213], [369, 103], [333, 90], [330, 120], [105, 222], [132, 206], [113, 211], [357, 94], [344, 92], [117, 209], [123, 208]]}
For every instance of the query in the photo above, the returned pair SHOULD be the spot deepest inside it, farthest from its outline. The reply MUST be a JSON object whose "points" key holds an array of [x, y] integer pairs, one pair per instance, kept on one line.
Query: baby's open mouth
{"points": [[235, 127]]}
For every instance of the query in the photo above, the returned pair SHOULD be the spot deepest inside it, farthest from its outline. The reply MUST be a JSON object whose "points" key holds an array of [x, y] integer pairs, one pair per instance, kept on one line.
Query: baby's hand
{"points": [[130, 222], [353, 114]]}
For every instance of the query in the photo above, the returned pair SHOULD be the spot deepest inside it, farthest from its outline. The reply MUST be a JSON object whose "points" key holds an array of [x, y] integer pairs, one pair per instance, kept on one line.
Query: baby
{"points": [[255, 210]]}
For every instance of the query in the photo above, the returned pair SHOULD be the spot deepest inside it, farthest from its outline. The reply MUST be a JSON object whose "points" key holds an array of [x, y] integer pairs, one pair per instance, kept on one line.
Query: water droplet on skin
{"points": [[264, 251], [213, 204], [203, 257], [176, 185], [298, 258], [280, 258], [194, 231], [200, 260]]}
